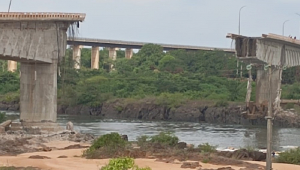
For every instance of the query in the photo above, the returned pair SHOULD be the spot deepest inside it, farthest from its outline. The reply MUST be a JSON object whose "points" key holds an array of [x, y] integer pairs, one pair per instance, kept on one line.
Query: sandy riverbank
{"points": [[75, 162]]}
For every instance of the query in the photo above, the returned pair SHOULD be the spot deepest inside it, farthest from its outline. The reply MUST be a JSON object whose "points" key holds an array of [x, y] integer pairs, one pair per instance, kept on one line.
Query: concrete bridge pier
{"points": [[262, 84], [112, 53], [95, 58], [38, 92], [38, 41], [77, 56], [12, 66], [128, 53]]}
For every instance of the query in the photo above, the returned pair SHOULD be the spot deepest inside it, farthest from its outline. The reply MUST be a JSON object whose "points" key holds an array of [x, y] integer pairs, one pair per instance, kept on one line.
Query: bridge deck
{"points": [[41, 16], [136, 45]]}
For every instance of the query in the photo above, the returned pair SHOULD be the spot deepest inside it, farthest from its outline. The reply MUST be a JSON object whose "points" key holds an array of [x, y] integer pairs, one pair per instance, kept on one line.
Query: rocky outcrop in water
{"points": [[196, 111]]}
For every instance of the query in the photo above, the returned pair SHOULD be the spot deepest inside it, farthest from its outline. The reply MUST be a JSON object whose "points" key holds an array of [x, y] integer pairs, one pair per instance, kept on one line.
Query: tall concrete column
{"points": [[38, 92], [95, 58], [128, 53], [262, 84], [77, 56], [12, 66], [112, 53]]}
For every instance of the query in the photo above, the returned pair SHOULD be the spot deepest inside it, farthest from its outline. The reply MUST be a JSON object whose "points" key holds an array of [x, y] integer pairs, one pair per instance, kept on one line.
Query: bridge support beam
{"points": [[262, 84], [95, 58], [12, 66], [128, 53], [77, 56], [38, 92]]}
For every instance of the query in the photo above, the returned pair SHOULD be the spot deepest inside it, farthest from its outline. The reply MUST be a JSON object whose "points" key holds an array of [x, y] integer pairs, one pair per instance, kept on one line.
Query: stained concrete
{"points": [[112, 53], [77, 56], [262, 84], [95, 58], [38, 92], [128, 53], [12, 66], [38, 41]]}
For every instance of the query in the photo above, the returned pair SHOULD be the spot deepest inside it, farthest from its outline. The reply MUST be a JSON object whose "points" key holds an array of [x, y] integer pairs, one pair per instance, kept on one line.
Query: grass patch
{"points": [[122, 164], [2, 117], [207, 148], [291, 157]]}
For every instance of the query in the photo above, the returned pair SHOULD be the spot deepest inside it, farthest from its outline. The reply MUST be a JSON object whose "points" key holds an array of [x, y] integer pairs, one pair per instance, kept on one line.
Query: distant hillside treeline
{"points": [[174, 75]]}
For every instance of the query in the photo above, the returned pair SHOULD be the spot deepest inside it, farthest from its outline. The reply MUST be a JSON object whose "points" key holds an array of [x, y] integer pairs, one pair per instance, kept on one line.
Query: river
{"points": [[222, 136]]}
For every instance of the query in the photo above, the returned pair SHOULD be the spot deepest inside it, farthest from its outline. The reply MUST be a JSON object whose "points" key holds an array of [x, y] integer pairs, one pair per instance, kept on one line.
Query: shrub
{"points": [[221, 103], [207, 148], [122, 164], [111, 142], [143, 140], [291, 157], [165, 139], [2, 117]]}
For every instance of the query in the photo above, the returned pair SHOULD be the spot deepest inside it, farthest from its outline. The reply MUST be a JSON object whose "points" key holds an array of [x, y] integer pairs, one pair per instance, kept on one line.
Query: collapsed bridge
{"points": [[270, 54]]}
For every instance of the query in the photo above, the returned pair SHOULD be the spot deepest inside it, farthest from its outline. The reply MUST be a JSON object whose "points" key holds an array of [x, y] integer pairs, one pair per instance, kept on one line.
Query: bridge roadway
{"points": [[136, 45]]}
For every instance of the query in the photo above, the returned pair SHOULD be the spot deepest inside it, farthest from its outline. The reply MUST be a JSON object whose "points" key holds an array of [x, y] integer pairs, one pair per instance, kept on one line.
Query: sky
{"points": [[183, 22]]}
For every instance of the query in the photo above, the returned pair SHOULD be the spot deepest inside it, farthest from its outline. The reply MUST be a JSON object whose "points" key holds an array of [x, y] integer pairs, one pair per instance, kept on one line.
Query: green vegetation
{"points": [[122, 164], [291, 157], [111, 143], [163, 138], [2, 117], [207, 148], [170, 79]]}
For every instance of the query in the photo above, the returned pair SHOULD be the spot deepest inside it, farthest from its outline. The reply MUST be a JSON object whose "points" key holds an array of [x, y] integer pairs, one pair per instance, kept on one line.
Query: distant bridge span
{"points": [[136, 45]]}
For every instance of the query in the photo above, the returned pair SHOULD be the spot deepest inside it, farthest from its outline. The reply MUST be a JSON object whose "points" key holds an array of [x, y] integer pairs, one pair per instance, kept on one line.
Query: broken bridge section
{"points": [[269, 50], [38, 41]]}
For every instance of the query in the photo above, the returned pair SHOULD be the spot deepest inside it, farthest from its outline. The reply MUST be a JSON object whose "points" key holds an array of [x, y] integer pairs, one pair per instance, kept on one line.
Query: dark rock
{"points": [[191, 165], [63, 156], [38, 157], [181, 145], [124, 137]]}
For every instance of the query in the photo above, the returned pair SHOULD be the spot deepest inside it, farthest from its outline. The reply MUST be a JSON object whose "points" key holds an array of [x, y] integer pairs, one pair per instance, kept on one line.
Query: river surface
{"points": [[223, 136]]}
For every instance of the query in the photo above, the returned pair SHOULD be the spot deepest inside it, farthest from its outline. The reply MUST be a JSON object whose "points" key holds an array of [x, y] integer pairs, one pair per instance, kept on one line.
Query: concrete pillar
{"points": [[112, 53], [262, 84], [12, 66], [38, 92], [128, 53], [77, 56], [95, 58]]}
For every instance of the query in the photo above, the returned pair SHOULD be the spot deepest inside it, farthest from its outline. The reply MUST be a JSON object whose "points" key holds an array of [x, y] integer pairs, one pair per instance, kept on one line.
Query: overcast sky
{"points": [[184, 22]]}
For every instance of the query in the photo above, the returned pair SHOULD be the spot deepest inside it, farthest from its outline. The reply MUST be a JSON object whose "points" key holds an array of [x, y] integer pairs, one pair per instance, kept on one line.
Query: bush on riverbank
{"points": [[163, 138], [122, 164], [291, 157], [111, 144], [207, 148], [2, 117]]}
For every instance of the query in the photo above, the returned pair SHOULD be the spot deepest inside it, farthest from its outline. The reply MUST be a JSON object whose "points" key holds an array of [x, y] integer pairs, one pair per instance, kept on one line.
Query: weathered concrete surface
{"points": [[95, 58], [262, 84], [128, 53], [38, 92], [77, 56], [38, 41], [32, 41], [112, 53], [12, 66]]}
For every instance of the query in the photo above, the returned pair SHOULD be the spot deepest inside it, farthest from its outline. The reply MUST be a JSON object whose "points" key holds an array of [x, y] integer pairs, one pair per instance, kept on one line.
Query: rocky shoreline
{"points": [[196, 111]]}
